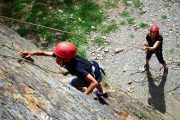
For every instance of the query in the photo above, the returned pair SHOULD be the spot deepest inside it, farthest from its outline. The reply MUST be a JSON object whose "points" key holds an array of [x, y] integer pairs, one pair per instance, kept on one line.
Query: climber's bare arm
{"points": [[26, 54]]}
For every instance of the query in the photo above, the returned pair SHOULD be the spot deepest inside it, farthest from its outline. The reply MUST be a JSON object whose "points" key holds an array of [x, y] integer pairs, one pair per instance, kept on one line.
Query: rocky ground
{"points": [[123, 60]]}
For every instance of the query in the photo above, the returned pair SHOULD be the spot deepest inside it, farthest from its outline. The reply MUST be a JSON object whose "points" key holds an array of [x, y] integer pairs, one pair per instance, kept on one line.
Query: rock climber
{"points": [[87, 73], [153, 44]]}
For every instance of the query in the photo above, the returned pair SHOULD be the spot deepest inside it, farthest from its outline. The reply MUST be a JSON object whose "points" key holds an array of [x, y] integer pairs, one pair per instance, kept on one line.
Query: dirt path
{"points": [[124, 67]]}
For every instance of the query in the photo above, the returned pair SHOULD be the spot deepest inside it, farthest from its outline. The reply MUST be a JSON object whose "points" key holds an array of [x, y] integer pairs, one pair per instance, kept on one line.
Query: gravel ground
{"points": [[123, 60]]}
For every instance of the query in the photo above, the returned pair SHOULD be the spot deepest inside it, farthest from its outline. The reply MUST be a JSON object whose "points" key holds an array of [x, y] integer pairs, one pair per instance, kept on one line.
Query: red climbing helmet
{"points": [[65, 50], [154, 28]]}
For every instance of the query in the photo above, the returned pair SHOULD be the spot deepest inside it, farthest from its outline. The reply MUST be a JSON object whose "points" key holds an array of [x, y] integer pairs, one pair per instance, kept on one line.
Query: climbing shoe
{"points": [[165, 72], [145, 67], [99, 94]]}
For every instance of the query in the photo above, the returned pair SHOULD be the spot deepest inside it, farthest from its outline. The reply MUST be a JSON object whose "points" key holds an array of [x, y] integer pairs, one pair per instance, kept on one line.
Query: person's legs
{"points": [[99, 88], [159, 56], [148, 57], [99, 91], [78, 83]]}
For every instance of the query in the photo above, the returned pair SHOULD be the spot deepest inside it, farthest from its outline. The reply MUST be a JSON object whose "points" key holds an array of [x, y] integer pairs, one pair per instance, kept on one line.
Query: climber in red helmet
{"points": [[88, 73], [153, 44]]}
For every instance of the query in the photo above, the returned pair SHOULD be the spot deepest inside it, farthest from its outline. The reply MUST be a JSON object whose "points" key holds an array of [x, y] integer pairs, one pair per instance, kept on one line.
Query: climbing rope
{"points": [[13, 19]]}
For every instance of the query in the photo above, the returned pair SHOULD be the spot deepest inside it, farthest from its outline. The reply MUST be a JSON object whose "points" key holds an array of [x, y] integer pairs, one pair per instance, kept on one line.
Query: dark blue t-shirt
{"points": [[79, 67], [151, 43]]}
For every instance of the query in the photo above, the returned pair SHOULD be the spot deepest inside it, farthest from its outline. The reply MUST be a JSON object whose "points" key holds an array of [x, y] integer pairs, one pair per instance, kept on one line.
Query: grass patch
{"points": [[143, 25], [172, 50], [99, 41], [23, 32], [130, 21], [132, 35], [178, 46], [125, 2], [125, 14], [167, 4], [164, 17], [5, 5], [122, 22], [119, 87], [178, 64], [178, 1], [110, 3], [105, 29], [137, 3], [81, 52], [138, 114]]}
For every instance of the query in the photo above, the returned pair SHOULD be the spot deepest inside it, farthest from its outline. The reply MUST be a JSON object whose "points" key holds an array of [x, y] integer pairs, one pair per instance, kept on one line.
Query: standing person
{"points": [[88, 74], [153, 44]]}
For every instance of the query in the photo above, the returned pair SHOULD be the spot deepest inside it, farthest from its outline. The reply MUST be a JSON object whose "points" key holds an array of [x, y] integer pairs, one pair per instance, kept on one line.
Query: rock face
{"points": [[30, 92]]}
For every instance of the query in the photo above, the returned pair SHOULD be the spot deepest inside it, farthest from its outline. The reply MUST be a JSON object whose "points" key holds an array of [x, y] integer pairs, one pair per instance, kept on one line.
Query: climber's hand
{"points": [[25, 54]]}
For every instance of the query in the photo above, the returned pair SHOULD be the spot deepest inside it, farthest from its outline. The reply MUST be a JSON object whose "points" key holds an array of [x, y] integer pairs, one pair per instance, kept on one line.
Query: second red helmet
{"points": [[65, 50], [154, 28]]}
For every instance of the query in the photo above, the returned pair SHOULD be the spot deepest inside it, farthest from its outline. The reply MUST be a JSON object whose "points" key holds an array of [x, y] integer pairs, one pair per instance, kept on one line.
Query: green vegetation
{"points": [[125, 2], [164, 17], [172, 50], [178, 45], [76, 18], [131, 35], [4, 5], [122, 22], [110, 3], [138, 114], [119, 87], [178, 1], [130, 20], [81, 52], [105, 29], [137, 3], [143, 25], [99, 41], [167, 4], [178, 64], [125, 14]]}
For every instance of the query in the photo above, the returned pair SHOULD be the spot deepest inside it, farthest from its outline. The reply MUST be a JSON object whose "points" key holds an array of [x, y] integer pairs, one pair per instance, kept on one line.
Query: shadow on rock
{"points": [[101, 100], [157, 99]]}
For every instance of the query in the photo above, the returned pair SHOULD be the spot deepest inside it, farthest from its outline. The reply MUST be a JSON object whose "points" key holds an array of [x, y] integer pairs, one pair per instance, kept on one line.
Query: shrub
{"points": [[99, 41], [164, 17], [108, 28], [143, 25], [122, 22], [178, 64], [137, 3], [130, 20], [125, 14]]}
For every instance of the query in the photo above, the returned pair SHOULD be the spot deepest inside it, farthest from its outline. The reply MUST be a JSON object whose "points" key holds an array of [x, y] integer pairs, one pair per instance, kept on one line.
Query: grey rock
{"points": [[30, 92], [118, 50]]}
